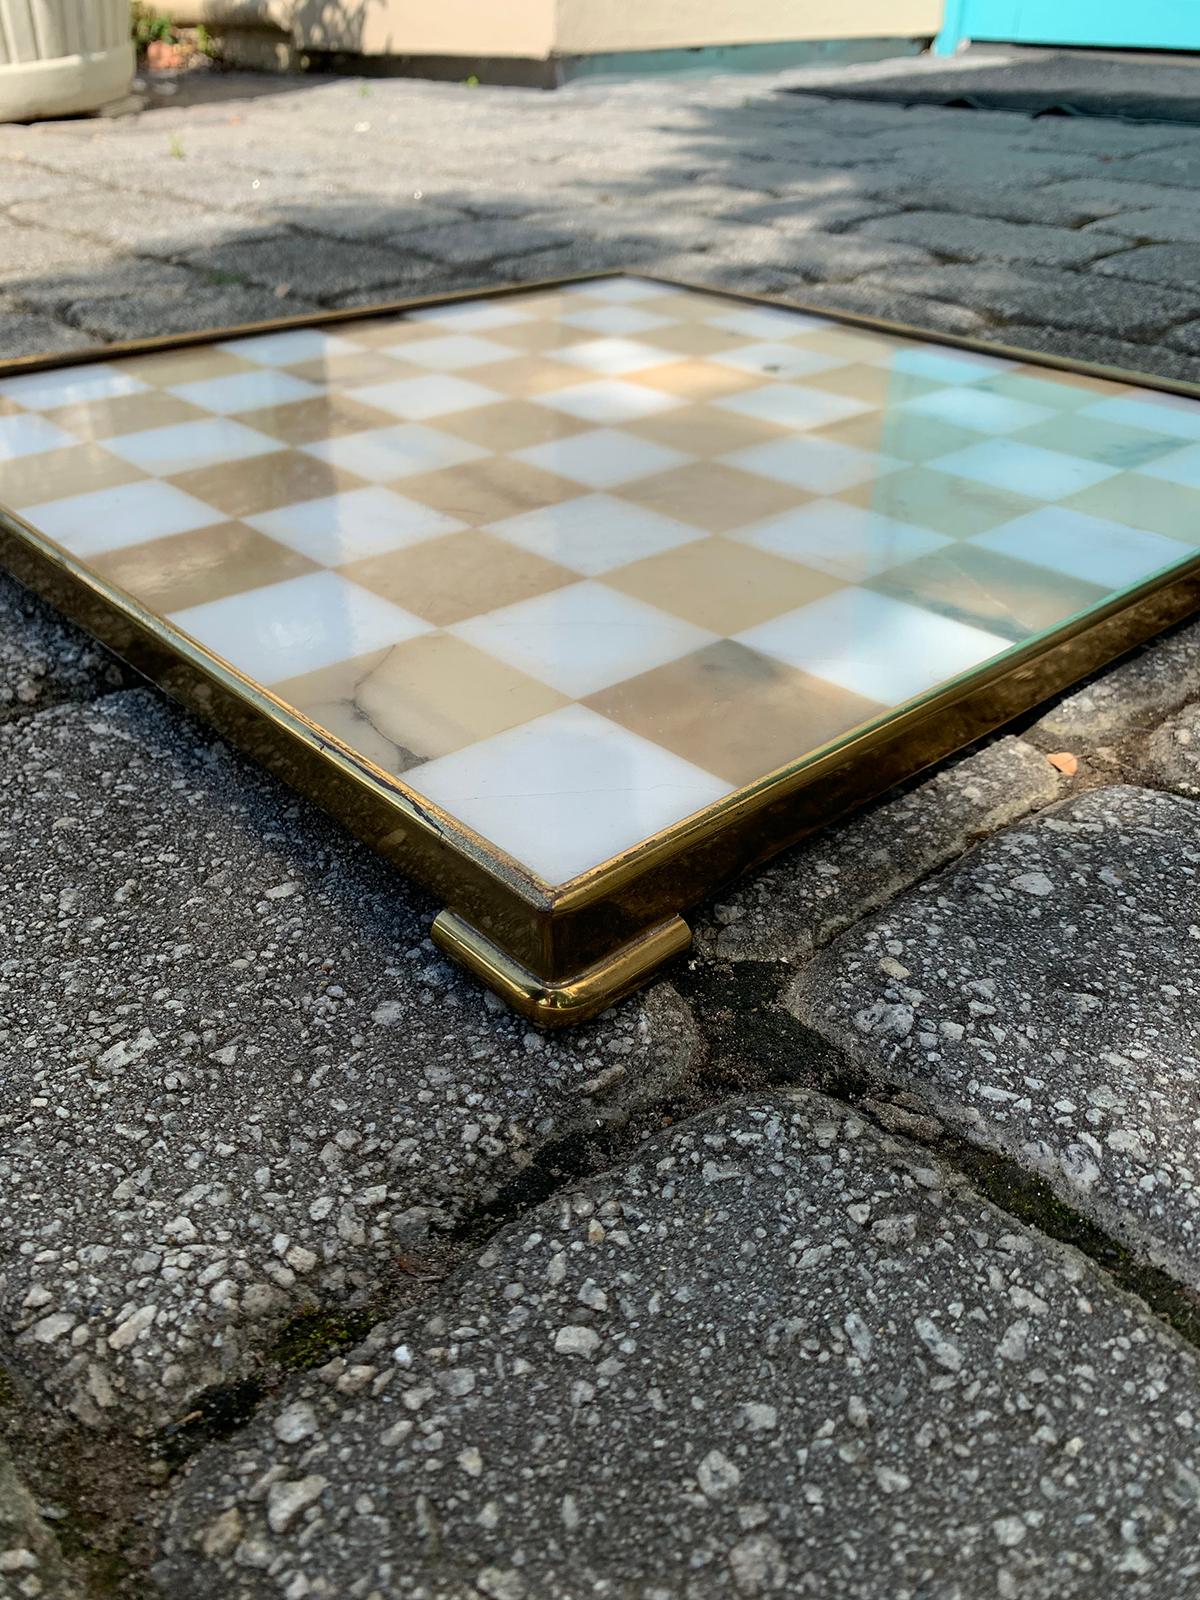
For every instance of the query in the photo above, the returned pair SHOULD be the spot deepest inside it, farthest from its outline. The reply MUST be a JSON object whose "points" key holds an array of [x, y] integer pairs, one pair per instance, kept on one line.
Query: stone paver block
{"points": [[1120, 191], [23, 333], [1040, 296], [1089, 344], [236, 1080], [1131, 698], [1155, 263], [1043, 998], [779, 1353], [153, 224], [314, 267], [820, 889], [44, 660], [479, 242], [31, 1563], [1166, 225], [987, 239], [189, 307], [1174, 751]]}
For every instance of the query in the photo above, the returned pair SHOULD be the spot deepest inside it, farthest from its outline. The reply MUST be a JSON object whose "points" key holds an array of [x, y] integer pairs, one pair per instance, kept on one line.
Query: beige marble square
{"points": [[696, 381], [458, 575], [189, 364], [722, 586], [320, 417], [263, 483], [58, 474], [705, 430], [955, 507], [488, 490], [713, 496], [417, 700], [511, 425], [125, 413], [189, 569]]}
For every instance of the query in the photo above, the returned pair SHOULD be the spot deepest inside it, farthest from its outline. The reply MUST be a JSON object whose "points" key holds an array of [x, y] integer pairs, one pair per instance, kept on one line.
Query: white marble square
{"points": [[608, 400], [567, 791], [615, 319], [601, 457], [964, 407], [582, 638], [1157, 413], [246, 391], [873, 645], [1181, 466], [349, 527], [847, 541], [25, 434], [768, 322], [399, 452], [946, 365], [111, 519], [288, 346], [70, 386], [185, 445], [474, 315], [793, 406], [417, 399], [297, 626], [451, 352], [821, 466], [1103, 552], [1023, 468], [612, 357], [594, 533], [774, 360]]}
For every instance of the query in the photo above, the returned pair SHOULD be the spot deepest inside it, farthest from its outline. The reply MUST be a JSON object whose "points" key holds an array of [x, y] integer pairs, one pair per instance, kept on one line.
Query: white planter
{"points": [[61, 56]]}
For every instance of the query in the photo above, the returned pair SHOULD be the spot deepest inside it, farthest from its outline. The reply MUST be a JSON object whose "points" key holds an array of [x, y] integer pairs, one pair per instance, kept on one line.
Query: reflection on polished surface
{"points": [[579, 562]]}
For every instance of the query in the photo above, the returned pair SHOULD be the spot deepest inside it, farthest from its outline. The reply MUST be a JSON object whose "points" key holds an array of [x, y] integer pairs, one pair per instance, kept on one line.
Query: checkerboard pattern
{"points": [[580, 562]]}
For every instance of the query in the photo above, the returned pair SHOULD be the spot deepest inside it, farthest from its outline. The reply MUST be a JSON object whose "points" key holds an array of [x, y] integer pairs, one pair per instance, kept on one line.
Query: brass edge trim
{"points": [[810, 768], [567, 1000], [387, 788]]}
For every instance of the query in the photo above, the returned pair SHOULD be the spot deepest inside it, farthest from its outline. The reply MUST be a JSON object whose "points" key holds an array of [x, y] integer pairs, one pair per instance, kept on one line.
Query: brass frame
{"points": [[560, 954]]}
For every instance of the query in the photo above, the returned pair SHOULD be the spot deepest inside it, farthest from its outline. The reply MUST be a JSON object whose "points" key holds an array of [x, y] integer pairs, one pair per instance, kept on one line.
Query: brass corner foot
{"points": [[557, 1003]]}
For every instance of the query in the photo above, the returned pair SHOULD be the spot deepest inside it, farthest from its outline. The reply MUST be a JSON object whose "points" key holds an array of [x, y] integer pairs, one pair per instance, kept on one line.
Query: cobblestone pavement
{"points": [[855, 1257]]}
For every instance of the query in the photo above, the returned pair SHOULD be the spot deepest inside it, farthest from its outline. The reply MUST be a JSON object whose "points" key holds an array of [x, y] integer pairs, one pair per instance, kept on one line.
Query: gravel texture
{"points": [[31, 1564], [44, 660], [821, 888], [1042, 997], [1173, 752], [777, 1353], [1129, 699], [236, 1080]]}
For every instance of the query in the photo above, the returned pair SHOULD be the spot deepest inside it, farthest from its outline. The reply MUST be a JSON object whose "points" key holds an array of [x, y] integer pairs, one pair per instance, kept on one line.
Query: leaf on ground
{"points": [[1065, 762]]}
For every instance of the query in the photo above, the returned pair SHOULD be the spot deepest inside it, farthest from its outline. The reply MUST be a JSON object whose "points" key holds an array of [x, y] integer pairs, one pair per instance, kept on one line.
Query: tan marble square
{"points": [[262, 483], [721, 586], [732, 711], [713, 496], [57, 474], [319, 417], [952, 506], [418, 700], [526, 375], [696, 339], [459, 575], [531, 338], [987, 590], [704, 430], [696, 380], [905, 434], [1152, 504], [487, 490], [189, 364], [874, 386], [382, 331], [1093, 439], [188, 569], [126, 413], [511, 425], [851, 344], [691, 305], [361, 366]]}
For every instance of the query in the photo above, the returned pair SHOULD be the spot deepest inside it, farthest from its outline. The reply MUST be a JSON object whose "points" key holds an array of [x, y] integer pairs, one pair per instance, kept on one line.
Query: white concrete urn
{"points": [[62, 56]]}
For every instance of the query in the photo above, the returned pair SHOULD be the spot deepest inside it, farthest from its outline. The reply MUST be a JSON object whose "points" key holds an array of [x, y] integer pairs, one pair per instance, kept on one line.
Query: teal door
{"points": [[1116, 24]]}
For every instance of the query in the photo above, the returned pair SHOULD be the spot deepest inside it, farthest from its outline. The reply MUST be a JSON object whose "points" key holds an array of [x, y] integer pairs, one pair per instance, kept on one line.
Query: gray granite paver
{"points": [[1173, 225], [1042, 997], [235, 1077], [1175, 264], [44, 659], [1173, 752], [778, 1352], [1129, 699], [802, 901], [988, 239], [31, 1564]]}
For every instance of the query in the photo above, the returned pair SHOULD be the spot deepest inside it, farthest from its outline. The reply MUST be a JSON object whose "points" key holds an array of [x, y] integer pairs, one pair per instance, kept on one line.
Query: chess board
{"points": [[570, 568]]}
